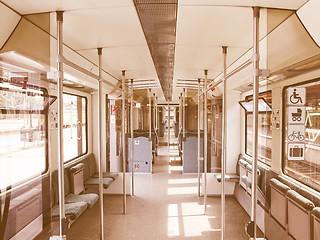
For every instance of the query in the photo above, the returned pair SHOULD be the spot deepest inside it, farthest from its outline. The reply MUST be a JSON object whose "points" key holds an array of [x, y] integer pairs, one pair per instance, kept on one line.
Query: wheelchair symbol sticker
{"points": [[296, 133], [296, 115], [296, 96]]}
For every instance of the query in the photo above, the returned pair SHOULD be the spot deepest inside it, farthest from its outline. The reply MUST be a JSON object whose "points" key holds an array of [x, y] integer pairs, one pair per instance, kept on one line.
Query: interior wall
{"points": [[95, 129], [135, 114], [233, 130], [191, 115]]}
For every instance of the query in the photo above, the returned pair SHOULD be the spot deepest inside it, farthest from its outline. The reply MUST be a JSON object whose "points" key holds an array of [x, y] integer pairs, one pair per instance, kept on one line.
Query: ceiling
{"points": [[202, 28]]}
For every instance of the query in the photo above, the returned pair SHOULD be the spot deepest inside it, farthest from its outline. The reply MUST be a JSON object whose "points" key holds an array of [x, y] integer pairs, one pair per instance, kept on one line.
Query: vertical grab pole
{"points": [[132, 146], [168, 127], [199, 136], [124, 142], [99, 145], [156, 103], [156, 126], [154, 111], [224, 143], [205, 142], [63, 222], [180, 113], [184, 113], [256, 58], [150, 117]]}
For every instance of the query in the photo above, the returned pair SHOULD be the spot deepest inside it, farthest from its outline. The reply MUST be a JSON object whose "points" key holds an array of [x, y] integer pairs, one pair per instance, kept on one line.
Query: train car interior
{"points": [[159, 119]]}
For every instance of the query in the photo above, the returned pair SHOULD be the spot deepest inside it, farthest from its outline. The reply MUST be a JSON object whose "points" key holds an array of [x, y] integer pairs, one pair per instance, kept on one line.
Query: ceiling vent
{"points": [[158, 19]]}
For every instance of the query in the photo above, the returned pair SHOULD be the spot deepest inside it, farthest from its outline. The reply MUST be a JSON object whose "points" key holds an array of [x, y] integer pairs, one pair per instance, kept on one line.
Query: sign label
{"points": [[296, 130], [296, 114], [296, 133], [296, 96], [296, 151]]}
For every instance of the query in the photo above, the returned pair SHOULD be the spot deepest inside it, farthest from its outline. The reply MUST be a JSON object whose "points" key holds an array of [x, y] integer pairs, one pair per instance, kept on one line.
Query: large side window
{"points": [[264, 126], [23, 131], [74, 126], [301, 135]]}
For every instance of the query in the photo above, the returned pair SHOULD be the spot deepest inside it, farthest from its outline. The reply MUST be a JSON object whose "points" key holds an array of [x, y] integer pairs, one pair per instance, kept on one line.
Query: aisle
{"points": [[165, 206]]}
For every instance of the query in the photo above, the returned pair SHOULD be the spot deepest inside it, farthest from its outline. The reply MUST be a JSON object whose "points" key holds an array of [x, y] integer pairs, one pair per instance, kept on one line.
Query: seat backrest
{"points": [[278, 209], [299, 216]]}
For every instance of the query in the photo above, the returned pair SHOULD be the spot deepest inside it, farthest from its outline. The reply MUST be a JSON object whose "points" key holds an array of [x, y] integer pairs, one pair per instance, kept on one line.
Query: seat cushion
{"points": [[106, 175], [90, 198], [95, 182], [228, 177], [77, 168], [302, 201], [316, 212], [247, 181], [279, 186], [72, 210]]}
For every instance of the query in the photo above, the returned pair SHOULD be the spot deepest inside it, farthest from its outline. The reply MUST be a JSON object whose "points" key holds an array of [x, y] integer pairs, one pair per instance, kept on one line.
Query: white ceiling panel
{"points": [[135, 60], [38, 6], [201, 33], [118, 32], [88, 29], [301, 47], [282, 4], [191, 61], [11, 19], [214, 26], [310, 17]]}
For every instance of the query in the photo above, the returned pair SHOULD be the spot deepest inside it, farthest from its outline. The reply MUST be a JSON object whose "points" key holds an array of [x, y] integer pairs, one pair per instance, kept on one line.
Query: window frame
{"points": [[294, 176], [45, 112], [246, 123], [86, 117]]}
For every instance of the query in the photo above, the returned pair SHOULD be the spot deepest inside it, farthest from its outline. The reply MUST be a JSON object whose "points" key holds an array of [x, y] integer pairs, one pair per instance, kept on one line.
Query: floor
{"points": [[165, 206]]}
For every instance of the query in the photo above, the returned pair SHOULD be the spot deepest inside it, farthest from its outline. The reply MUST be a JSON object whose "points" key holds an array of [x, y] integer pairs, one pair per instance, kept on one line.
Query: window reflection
{"points": [[308, 169], [23, 126]]}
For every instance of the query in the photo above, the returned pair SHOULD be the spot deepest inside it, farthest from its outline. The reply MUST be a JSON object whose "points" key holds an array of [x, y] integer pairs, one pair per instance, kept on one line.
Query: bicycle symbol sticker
{"points": [[296, 115], [296, 133], [296, 96]]}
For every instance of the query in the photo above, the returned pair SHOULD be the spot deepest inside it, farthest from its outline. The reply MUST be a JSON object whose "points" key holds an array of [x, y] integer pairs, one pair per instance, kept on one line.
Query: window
{"points": [[264, 126], [74, 126], [301, 135], [23, 130]]}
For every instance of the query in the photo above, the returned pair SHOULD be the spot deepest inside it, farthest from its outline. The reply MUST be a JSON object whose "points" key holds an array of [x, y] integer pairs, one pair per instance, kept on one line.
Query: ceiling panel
{"points": [[214, 26], [38, 6], [118, 32], [301, 47], [191, 61], [10, 19], [288, 4], [116, 27], [201, 33], [310, 17], [135, 60]]}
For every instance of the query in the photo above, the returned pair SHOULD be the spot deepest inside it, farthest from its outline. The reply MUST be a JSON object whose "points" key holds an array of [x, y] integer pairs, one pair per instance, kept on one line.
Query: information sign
{"points": [[296, 96], [296, 151]]}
